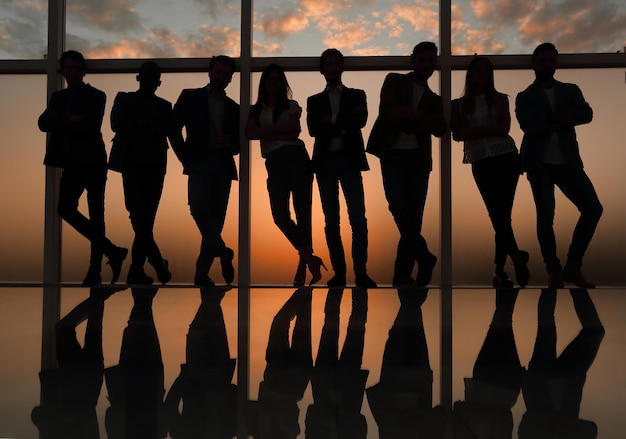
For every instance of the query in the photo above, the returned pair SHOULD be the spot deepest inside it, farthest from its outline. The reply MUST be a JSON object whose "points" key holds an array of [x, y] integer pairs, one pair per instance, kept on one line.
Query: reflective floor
{"points": [[184, 362]]}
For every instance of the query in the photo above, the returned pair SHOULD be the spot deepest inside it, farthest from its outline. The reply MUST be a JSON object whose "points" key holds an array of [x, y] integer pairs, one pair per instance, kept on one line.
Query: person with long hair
{"points": [[481, 120], [275, 121]]}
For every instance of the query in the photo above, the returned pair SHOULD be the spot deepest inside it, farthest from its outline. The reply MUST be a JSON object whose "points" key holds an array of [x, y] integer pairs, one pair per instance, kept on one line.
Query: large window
{"points": [[376, 35], [22, 177], [357, 28], [153, 29], [602, 154], [513, 27], [23, 29]]}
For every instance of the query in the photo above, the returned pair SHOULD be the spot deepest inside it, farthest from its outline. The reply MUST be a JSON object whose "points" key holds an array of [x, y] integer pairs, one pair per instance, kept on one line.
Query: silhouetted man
{"points": [[211, 120], [409, 115], [73, 119], [335, 118], [548, 112], [141, 122]]}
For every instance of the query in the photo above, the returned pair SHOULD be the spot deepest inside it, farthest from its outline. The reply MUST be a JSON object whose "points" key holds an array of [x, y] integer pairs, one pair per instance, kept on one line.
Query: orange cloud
{"points": [[280, 25], [260, 49], [422, 18], [207, 40], [106, 15], [370, 51], [346, 34]]}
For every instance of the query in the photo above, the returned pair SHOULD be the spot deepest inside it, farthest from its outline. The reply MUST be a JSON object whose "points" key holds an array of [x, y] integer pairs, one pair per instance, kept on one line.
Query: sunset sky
{"points": [[164, 28], [190, 28]]}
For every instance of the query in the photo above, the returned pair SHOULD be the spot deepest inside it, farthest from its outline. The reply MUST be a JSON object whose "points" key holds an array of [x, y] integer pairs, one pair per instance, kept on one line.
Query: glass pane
{"points": [[23, 29], [602, 152], [145, 29], [274, 260], [510, 27], [23, 177], [175, 231], [362, 28]]}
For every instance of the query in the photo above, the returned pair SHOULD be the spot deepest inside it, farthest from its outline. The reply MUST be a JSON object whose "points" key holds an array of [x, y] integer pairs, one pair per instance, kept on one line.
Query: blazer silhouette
{"points": [[533, 110], [192, 111], [141, 125], [348, 126], [397, 90], [76, 143]]}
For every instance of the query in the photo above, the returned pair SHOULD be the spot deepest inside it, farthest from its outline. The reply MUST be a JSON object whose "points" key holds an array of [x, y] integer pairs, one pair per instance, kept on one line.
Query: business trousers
{"points": [[405, 180], [143, 186], [289, 175], [208, 187], [577, 187], [496, 178], [74, 181], [334, 171]]}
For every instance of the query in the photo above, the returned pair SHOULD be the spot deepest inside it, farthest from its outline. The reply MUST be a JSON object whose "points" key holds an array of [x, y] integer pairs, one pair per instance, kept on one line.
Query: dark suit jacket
{"points": [[348, 126], [141, 125], [398, 90], [533, 111], [77, 143], [192, 112]]}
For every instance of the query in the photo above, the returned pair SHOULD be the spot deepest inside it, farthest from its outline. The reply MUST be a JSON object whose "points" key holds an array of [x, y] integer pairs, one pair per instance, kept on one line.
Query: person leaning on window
{"points": [[275, 121], [74, 120], [410, 114], [481, 120]]}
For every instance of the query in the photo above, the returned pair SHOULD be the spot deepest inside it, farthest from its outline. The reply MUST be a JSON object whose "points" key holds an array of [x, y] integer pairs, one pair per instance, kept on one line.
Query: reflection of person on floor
{"points": [[204, 385], [553, 386], [286, 377], [338, 382], [494, 387], [70, 393], [402, 401], [135, 385]]}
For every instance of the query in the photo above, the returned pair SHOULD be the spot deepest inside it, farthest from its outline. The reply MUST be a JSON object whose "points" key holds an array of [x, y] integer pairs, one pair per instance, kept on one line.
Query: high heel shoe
{"points": [[298, 279], [315, 263]]}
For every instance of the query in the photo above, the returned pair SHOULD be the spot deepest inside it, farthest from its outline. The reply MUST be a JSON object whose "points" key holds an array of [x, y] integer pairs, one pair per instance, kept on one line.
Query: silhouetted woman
{"points": [[275, 121], [481, 120]]}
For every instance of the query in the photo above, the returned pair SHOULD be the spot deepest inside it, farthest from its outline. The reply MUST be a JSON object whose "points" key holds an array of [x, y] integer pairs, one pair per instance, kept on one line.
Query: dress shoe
{"points": [[556, 278], [520, 262], [203, 280], [425, 270], [92, 278], [162, 272], [300, 276], [502, 280], [364, 281], [226, 259], [116, 259], [338, 280], [572, 274], [138, 277]]}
